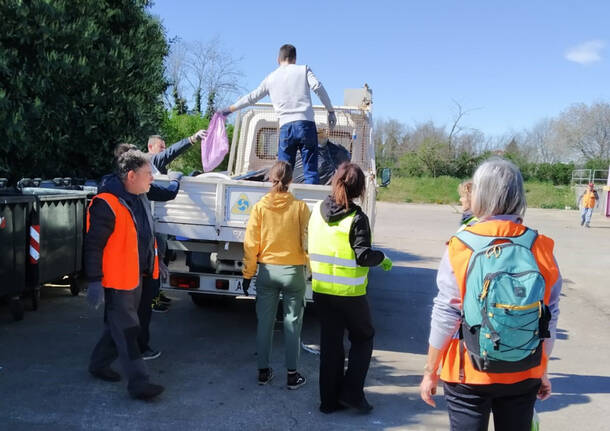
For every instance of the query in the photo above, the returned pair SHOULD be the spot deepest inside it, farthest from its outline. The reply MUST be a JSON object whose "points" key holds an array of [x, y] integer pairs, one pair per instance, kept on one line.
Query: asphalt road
{"points": [[208, 363]]}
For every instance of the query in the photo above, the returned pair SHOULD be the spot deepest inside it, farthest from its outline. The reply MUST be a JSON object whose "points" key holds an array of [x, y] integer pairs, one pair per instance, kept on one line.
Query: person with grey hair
{"points": [[483, 369], [120, 249], [289, 87]]}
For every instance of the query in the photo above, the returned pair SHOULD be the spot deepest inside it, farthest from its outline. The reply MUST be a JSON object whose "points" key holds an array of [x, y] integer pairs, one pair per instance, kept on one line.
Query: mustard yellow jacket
{"points": [[276, 232]]}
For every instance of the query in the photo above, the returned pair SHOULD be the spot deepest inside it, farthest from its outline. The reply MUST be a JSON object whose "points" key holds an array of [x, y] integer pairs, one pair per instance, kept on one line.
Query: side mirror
{"points": [[386, 177]]}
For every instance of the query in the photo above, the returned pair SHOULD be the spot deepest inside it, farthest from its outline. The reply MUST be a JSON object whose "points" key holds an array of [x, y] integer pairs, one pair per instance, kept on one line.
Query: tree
{"points": [[207, 69], [76, 78], [211, 108], [586, 129]]}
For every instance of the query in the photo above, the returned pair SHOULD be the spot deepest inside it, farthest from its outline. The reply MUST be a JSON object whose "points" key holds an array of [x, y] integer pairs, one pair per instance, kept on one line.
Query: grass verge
{"points": [[443, 190]]}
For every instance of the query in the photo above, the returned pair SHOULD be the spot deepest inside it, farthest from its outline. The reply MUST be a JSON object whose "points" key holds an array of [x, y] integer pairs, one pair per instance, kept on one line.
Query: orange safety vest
{"points": [[456, 365], [588, 199], [120, 261]]}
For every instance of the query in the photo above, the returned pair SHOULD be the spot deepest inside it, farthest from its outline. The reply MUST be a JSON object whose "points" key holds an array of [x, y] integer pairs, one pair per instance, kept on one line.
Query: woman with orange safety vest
{"points": [[472, 392], [120, 249]]}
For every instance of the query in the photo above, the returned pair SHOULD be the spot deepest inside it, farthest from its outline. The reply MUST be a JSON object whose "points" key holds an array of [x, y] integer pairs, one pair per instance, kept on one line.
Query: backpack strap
{"points": [[477, 242]]}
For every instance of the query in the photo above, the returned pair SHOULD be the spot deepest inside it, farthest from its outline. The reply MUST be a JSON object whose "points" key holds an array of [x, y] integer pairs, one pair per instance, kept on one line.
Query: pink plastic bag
{"points": [[216, 145]]}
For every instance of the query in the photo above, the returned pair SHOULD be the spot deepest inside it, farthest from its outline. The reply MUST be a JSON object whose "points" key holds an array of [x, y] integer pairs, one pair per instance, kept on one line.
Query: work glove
{"points": [[174, 175], [332, 120], [163, 270], [246, 285], [225, 111], [95, 294], [199, 136], [386, 264]]}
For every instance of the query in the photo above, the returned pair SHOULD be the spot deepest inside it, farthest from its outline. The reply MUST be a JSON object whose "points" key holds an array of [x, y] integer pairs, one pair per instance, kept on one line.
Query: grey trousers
{"points": [[270, 282], [120, 336]]}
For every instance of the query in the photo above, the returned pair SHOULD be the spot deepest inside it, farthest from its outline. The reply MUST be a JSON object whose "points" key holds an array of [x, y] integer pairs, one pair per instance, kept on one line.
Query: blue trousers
{"points": [[301, 136], [585, 216]]}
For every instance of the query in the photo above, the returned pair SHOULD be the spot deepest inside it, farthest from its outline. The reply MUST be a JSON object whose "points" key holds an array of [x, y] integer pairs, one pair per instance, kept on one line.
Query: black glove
{"points": [[246, 285], [174, 175]]}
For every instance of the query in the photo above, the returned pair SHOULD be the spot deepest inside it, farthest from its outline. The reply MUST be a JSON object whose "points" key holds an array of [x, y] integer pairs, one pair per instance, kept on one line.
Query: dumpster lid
{"points": [[48, 191]]}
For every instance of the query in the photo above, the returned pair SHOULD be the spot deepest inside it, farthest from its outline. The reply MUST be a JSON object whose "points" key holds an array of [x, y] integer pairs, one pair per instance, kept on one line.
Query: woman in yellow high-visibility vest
{"points": [[340, 254]]}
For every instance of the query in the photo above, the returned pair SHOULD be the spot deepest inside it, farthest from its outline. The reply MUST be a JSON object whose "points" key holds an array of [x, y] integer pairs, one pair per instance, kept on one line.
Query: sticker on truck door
{"points": [[240, 201]]}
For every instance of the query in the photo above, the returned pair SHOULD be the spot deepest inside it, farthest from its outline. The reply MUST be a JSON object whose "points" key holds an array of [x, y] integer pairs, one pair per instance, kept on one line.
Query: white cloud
{"points": [[585, 53]]}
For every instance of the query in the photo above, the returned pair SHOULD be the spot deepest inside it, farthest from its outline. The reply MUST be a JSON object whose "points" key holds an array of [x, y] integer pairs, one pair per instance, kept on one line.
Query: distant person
{"points": [[275, 242], [588, 200], [152, 297], [465, 192], [340, 255], [119, 250], [495, 315], [289, 89]]}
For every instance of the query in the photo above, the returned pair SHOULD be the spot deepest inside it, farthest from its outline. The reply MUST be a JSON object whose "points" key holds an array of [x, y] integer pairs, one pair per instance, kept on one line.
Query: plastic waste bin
{"points": [[14, 249], [60, 215]]}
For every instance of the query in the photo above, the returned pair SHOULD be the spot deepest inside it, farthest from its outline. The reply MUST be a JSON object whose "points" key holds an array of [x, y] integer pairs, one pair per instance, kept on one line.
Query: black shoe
{"points": [[159, 307], [331, 409], [146, 391], [164, 299], [295, 381], [362, 406], [106, 374], [265, 375], [149, 354]]}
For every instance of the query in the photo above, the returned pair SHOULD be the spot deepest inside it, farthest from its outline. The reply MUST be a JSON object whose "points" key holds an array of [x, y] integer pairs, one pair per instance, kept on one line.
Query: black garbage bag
{"points": [[330, 156]]}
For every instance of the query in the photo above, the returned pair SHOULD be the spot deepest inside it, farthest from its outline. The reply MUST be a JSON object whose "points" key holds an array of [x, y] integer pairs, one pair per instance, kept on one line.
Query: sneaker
{"points": [[164, 299], [587, 225], [146, 391], [295, 381], [149, 354], [106, 374], [265, 375], [582, 222], [159, 307]]}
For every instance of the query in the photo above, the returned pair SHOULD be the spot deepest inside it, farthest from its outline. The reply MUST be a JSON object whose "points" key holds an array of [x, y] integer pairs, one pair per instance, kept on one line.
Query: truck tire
{"points": [[16, 307]]}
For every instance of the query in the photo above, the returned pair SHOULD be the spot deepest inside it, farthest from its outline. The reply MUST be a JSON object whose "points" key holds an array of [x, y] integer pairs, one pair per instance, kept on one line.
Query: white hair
{"points": [[498, 189]]}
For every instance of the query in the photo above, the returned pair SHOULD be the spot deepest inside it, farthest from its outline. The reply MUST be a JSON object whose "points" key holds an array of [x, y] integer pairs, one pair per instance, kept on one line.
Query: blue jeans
{"points": [[302, 136], [585, 216]]}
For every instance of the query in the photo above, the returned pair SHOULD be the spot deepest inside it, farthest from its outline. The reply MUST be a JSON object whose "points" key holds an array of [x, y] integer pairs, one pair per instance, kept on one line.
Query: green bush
{"points": [[76, 78]]}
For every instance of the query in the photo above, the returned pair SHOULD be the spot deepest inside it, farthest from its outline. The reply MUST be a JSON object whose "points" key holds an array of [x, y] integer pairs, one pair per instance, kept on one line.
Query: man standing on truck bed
{"points": [[288, 87]]}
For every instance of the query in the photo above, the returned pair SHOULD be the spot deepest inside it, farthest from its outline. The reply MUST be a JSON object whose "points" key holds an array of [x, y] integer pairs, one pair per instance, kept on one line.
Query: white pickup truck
{"points": [[207, 220]]}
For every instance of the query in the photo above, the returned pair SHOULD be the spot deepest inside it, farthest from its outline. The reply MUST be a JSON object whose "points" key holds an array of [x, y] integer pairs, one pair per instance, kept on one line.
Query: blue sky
{"points": [[511, 63]]}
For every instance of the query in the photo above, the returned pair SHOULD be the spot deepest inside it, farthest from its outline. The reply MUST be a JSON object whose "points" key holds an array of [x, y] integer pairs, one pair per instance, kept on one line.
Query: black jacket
{"points": [[359, 234], [101, 226]]}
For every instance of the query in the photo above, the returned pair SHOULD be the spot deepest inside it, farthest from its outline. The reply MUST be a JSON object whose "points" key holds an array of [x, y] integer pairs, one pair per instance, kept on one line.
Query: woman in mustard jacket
{"points": [[275, 242]]}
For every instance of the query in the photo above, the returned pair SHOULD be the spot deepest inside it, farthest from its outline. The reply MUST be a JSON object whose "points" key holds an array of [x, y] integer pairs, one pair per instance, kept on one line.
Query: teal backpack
{"points": [[504, 318]]}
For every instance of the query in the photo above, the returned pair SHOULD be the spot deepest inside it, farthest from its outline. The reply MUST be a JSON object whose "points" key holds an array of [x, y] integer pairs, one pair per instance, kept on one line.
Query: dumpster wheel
{"points": [[74, 287], [16, 307]]}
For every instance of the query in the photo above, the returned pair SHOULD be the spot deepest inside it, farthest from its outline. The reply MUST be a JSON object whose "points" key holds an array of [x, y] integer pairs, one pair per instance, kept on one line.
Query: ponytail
{"points": [[280, 175], [347, 184]]}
